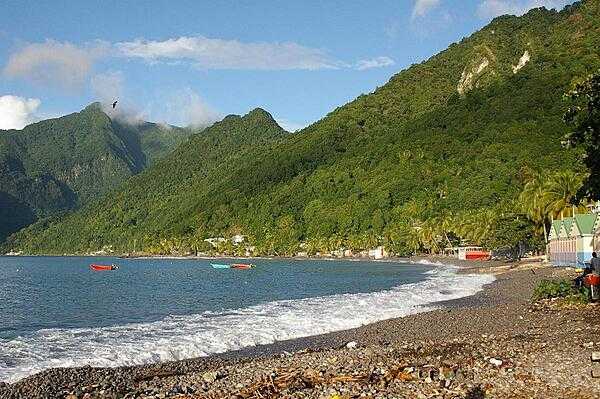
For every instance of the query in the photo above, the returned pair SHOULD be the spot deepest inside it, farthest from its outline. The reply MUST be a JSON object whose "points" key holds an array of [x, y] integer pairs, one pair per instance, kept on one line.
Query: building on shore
{"points": [[238, 239], [572, 240], [378, 253]]}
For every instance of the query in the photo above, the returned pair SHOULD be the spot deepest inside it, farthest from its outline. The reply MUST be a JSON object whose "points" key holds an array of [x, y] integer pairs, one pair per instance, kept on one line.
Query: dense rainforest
{"points": [[455, 149], [57, 165]]}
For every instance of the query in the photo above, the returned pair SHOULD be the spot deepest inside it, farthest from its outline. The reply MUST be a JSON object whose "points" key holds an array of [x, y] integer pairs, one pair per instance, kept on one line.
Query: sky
{"points": [[191, 62]]}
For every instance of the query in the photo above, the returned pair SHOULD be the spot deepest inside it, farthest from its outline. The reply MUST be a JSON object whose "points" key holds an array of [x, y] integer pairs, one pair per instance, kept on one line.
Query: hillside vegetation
{"points": [[59, 164], [438, 154]]}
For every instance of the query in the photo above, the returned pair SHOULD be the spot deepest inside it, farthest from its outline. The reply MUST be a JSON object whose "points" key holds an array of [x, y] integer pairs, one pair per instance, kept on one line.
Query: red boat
{"points": [[478, 255], [242, 266], [472, 253], [101, 268]]}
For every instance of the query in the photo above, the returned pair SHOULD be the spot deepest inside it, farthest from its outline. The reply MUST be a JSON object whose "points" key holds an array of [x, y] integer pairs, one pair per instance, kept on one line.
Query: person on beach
{"points": [[593, 281], [595, 263], [592, 267]]}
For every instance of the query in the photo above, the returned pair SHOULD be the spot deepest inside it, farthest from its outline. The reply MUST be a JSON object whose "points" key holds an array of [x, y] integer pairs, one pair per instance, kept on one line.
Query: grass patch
{"points": [[564, 288]]}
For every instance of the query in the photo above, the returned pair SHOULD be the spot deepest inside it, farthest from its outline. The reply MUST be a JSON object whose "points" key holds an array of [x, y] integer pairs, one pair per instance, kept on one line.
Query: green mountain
{"points": [[445, 142], [59, 164]]}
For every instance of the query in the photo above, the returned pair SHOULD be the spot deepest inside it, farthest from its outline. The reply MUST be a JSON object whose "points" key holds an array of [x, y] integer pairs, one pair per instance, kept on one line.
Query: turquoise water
{"points": [[56, 312]]}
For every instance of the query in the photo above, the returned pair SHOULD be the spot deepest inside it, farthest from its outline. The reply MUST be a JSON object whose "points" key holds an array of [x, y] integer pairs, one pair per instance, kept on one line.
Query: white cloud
{"points": [[229, 54], [489, 9], [186, 108], [17, 112], [378, 62], [53, 63], [108, 86], [289, 125], [422, 7]]}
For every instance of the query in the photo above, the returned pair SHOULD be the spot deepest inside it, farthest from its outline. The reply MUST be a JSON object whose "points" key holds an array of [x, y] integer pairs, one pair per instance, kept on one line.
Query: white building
{"points": [[238, 239], [377, 253]]}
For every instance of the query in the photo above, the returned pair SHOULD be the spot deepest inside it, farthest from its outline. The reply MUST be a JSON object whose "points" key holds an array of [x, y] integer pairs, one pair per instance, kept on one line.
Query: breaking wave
{"points": [[189, 336]]}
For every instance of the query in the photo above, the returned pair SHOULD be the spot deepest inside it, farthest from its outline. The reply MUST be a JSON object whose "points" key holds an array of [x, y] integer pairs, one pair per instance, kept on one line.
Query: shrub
{"points": [[564, 288]]}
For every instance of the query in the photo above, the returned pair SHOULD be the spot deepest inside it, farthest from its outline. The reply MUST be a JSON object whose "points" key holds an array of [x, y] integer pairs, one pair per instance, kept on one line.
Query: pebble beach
{"points": [[495, 344]]}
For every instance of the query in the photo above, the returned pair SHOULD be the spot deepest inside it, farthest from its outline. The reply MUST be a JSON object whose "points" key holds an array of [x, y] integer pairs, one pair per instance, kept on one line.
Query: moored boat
{"points": [[478, 255], [100, 268], [242, 266], [219, 266]]}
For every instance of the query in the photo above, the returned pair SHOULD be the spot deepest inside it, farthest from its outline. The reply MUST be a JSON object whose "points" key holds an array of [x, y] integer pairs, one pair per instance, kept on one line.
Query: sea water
{"points": [[56, 312]]}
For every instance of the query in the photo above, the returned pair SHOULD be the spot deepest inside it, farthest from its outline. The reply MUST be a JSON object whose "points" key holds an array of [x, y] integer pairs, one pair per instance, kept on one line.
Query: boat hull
{"points": [[242, 266], [478, 255], [102, 268], [219, 266]]}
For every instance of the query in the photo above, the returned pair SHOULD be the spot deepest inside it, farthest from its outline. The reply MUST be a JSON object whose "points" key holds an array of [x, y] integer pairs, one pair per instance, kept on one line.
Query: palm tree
{"points": [[445, 223], [532, 203], [429, 235], [476, 225], [560, 190], [550, 196]]}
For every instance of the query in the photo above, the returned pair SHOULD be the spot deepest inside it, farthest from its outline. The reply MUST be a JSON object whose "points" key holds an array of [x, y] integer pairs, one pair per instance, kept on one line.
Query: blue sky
{"points": [[192, 62]]}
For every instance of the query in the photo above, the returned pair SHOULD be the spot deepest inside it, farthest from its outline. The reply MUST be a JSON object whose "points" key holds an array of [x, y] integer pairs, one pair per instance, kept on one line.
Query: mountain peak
{"points": [[260, 115], [259, 112], [95, 106]]}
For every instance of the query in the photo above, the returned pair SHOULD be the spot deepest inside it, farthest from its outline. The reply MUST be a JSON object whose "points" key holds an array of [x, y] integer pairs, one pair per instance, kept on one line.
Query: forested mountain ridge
{"points": [[444, 147], [58, 164], [184, 172]]}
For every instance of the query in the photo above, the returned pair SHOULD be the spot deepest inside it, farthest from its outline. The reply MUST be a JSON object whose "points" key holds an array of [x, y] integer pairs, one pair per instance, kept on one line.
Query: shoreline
{"points": [[427, 266], [218, 257], [498, 310]]}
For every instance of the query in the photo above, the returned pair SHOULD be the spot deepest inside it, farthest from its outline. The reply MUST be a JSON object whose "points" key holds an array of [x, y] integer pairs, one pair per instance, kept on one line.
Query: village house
{"points": [[378, 253], [238, 239], [572, 240]]}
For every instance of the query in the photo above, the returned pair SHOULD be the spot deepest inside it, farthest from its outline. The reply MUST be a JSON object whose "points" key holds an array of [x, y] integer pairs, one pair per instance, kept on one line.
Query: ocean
{"points": [[56, 312]]}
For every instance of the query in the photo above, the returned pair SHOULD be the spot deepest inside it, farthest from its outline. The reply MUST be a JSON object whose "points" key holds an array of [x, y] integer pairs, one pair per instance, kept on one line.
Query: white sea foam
{"points": [[182, 337]]}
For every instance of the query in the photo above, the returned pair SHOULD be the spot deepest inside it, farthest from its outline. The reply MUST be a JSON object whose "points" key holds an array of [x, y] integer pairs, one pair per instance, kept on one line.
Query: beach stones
{"points": [[495, 362], [351, 345], [210, 376], [446, 373]]}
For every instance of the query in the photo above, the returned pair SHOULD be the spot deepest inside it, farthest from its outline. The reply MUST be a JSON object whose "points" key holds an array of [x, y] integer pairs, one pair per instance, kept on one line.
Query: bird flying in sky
{"points": [[115, 104]]}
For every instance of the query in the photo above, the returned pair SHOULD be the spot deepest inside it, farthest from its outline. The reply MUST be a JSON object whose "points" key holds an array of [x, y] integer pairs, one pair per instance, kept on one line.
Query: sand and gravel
{"points": [[495, 344]]}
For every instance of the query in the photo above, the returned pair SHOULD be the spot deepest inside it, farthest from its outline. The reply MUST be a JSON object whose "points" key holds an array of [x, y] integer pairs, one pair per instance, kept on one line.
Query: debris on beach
{"points": [[351, 345], [496, 362]]}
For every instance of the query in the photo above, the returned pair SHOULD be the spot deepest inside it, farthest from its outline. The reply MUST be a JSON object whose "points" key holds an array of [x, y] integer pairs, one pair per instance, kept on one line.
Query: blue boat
{"points": [[219, 266]]}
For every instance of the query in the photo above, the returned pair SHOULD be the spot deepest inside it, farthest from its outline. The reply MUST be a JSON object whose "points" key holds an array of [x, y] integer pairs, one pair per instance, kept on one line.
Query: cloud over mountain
{"points": [[17, 112], [211, 53], [378, 62]]}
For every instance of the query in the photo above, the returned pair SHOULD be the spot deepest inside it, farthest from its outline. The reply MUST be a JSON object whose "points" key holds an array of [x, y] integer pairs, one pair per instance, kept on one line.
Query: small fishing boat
{"points": [[242, 266], [219, 266], [100, 268]]}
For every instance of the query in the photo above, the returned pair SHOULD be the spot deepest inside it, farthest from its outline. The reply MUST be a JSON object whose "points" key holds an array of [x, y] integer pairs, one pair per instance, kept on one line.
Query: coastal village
{"points": [[572, 240]]}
